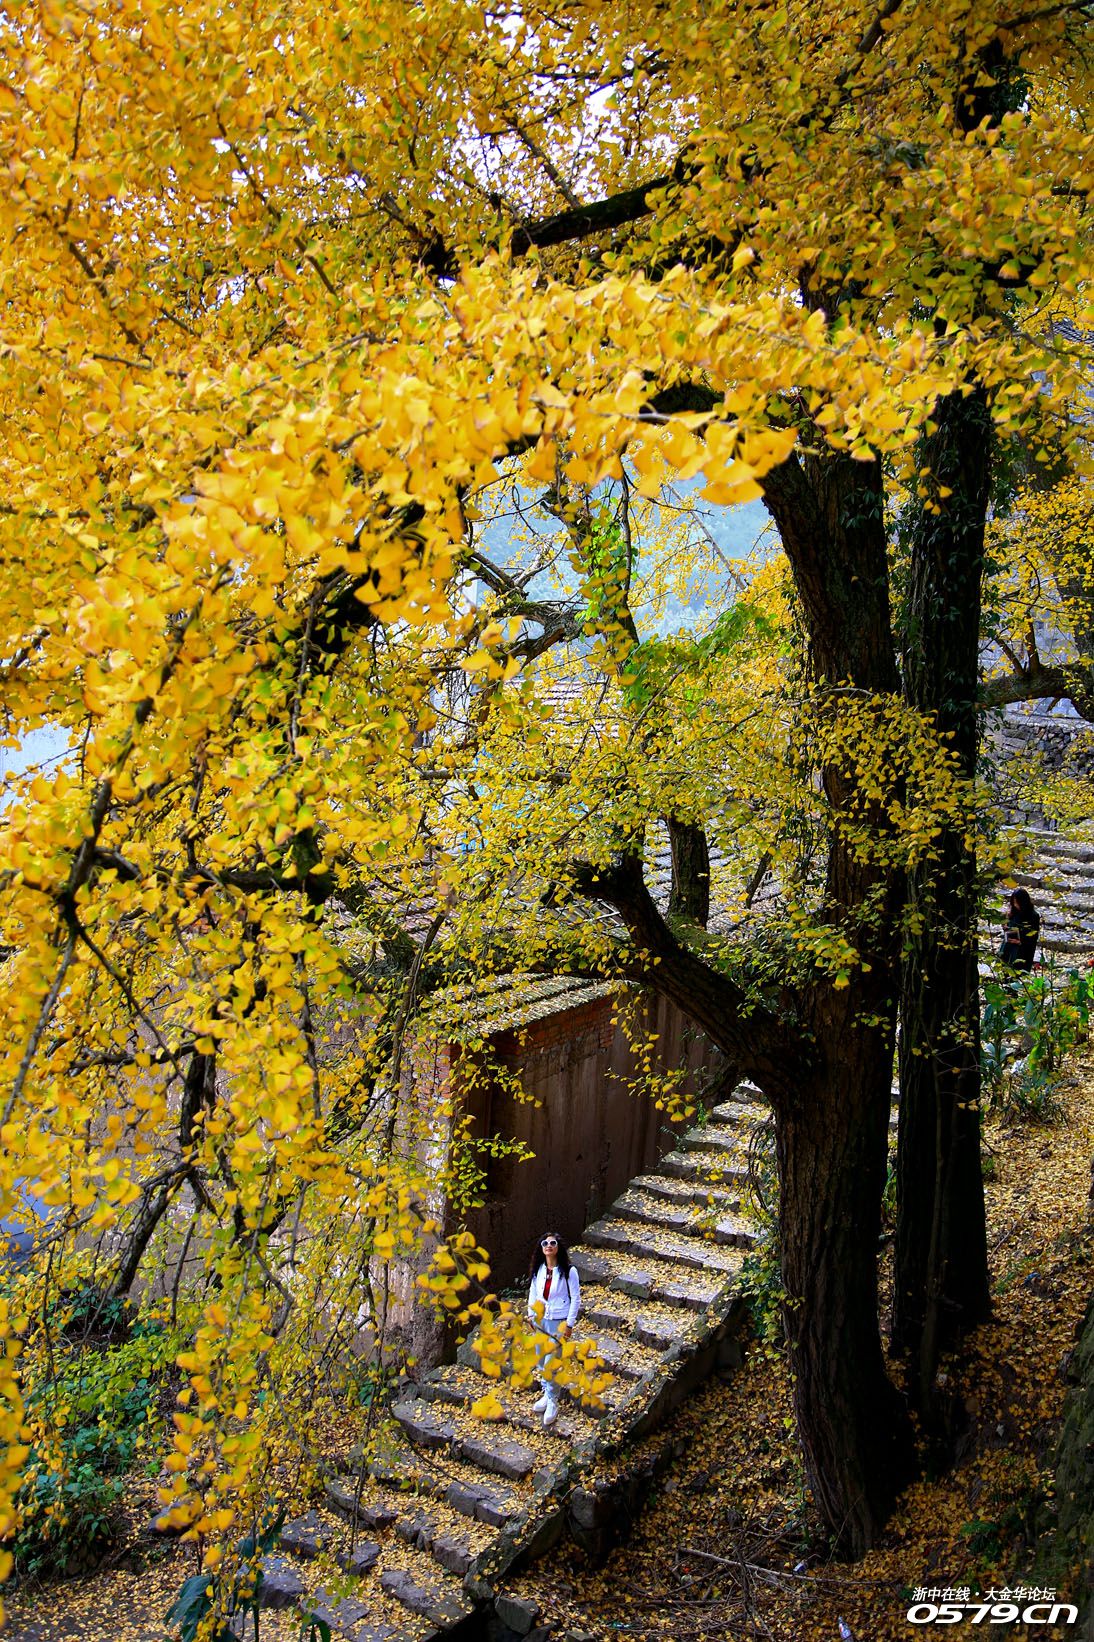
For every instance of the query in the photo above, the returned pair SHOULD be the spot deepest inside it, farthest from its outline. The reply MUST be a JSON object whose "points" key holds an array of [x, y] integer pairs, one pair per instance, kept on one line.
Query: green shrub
{"points": [[1031, 1024], [86, 1421]]}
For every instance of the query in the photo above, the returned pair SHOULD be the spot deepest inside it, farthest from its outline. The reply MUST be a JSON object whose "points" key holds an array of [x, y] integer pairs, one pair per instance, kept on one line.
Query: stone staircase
{"points": [[414, 1541], [1059, 875]]}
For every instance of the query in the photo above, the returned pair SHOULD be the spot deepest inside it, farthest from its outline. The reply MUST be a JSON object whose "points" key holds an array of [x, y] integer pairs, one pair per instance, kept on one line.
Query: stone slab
{"points": [[453, 1553], [638, 1284], [280, 1585], [677, 1294], [495, 1509], [343, 1615], [423, 1425], [653, 1333], [520, 1615], [307, 1536], [501, 1455], [394, 1468], [433, 1602], [591, 1267], [417, 1529], [360, 1559], [378, 1513]]}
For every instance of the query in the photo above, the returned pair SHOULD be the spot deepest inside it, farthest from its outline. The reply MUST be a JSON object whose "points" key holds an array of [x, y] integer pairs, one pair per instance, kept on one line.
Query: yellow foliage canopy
{"points": [[284, 290]]}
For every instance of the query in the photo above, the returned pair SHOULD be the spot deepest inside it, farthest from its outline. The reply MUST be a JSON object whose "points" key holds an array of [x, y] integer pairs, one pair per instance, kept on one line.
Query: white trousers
{"points": [[549, 1327]]}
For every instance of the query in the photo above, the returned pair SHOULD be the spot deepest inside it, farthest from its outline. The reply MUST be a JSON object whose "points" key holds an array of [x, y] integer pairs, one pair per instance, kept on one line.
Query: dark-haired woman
{"points": [[554, 1300], [1021, 932]]}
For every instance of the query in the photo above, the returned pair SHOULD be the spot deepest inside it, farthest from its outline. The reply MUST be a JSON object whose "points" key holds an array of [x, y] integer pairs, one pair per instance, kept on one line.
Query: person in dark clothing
{"points": [[1021, 932]]}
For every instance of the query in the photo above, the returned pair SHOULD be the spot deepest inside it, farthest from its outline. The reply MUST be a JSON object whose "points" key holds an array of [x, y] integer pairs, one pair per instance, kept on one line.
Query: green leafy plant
{"points": [[208, 1602], [86, 1427], [1031, 1024]]}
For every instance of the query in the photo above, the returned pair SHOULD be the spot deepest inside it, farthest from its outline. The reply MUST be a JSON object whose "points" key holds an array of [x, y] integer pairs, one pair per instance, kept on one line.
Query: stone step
{"points": [[1053, 917], [440, 1601], [1059, 947], [1035, 857], [1058, 889], [403, 1585], [643, 1238], [706, 1170], [1053, 904], [309, 1536], [1053, 844], [658, 1327], [650, 1277], [375, 1508], [628, 1358], [404, 1471], [677, 1192], [453, 1537], [482, 1499], [737, 1113], [454, 1527], [431, 1426], [709, 1137], [461, 1386], [1054, 941], [688, 1221]]}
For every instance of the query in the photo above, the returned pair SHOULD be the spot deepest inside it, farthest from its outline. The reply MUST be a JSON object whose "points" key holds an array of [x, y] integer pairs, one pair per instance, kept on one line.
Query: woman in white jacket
{"points": [[554, 1300]]}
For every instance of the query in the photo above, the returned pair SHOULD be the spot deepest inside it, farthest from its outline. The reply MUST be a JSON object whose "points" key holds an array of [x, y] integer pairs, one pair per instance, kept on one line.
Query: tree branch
{"points": [[630, 205], [1074, 683], [760, 1039]]}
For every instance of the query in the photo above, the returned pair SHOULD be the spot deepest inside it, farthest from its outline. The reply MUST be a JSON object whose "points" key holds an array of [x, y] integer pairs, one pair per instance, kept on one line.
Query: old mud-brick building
{"points": [[558, 1079]]}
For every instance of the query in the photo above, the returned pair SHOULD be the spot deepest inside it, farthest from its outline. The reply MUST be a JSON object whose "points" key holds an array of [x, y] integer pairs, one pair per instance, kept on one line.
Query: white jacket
{"points": [[564, 1301]]}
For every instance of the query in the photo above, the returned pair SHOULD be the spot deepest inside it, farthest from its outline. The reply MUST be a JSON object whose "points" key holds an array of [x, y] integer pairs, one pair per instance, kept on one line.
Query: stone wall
{"points": [[1060, 741]]}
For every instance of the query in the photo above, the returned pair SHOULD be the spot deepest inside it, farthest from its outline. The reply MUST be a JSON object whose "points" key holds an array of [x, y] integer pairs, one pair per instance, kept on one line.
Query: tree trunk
{"points": [[832, 1129], [832, 1140], [690, 896], [153, 1207], [941, 1282], [941, 1279]]}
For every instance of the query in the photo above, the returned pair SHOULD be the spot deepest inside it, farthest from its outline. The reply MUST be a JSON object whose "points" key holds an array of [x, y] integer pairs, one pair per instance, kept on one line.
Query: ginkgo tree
{"points": [[282, 291]]}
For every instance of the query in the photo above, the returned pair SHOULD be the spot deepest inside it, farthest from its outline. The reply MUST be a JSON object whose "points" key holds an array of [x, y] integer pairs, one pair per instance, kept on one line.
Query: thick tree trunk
{"points": [[941, 1280], [832, 1129], [832, 1141]]}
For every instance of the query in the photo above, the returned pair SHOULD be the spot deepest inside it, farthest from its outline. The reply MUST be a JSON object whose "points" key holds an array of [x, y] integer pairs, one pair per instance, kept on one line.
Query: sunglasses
{"points": [[548, 1242]]}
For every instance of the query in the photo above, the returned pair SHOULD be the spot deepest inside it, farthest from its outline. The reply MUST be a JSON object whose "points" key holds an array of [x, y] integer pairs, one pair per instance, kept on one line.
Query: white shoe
{"points": [[550, 1416], [539, 1405]]}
